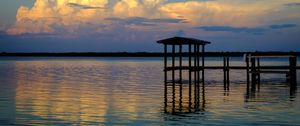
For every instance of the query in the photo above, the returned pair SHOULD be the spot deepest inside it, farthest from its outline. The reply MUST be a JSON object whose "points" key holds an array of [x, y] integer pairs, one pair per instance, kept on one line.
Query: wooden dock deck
{"points": [[229, 67]]}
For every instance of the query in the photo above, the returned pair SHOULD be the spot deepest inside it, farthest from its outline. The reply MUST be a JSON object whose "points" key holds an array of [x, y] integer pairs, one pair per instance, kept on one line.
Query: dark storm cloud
{"points": [[232, 29], [282, 26], [293, 4], [145, 21], [83, 6], [180, 33]]}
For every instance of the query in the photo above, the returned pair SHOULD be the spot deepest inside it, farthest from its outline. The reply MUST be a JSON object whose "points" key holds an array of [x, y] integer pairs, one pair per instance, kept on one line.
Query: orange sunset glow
{"points": [[104, 23]]}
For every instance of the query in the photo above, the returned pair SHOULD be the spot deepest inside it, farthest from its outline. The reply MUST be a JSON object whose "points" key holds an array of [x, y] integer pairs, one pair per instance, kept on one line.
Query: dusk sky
{"points": [[135, 25]]}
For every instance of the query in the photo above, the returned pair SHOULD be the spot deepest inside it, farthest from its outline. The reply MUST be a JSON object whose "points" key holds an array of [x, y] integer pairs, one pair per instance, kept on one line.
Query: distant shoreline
{"points": [[130, 54]]}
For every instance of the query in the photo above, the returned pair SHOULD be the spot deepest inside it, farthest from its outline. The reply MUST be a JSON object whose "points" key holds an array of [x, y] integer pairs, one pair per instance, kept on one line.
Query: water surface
{"points": [[129, 91]]}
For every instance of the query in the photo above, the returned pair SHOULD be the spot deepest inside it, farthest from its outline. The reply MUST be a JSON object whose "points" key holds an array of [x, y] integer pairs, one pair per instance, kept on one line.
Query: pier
{"points": [[194, 69], [177, 86], [255, 69]]}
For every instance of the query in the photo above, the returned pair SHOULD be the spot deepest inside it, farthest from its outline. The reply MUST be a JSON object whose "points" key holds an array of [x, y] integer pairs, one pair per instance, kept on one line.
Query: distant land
{"points": [[132, 54]]}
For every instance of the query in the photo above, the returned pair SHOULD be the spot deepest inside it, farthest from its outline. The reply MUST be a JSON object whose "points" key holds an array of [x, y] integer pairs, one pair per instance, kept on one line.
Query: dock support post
{"points": [[258, 73], [190, 76], [173, 76], [195, 75], [203, 65], [227, 65], [180, 77], [248, 78], [293, 73], [226, 72], [203, 83], [166, 74], [253, 74], [198, 75]]}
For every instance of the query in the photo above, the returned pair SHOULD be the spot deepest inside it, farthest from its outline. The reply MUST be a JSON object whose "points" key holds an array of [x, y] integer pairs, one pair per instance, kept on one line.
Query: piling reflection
{"points": [[180, 102], [268, 87]]}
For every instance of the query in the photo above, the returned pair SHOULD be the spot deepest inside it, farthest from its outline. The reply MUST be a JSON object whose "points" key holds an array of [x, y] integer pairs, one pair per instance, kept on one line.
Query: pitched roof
{"points": [[182, 41]]}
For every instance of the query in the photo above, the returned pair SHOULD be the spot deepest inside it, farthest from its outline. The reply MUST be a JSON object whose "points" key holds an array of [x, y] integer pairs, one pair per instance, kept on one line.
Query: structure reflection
{"points": [[86, 92], [184, 103], [252, 93]]}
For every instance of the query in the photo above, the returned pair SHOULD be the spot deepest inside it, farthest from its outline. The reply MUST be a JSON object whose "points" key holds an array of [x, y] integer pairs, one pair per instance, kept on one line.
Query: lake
{"points": [[130, 91]]}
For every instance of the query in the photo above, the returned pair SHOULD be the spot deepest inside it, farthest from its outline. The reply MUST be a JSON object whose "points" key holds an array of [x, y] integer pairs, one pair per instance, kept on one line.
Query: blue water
{"points": [[130, 91]]}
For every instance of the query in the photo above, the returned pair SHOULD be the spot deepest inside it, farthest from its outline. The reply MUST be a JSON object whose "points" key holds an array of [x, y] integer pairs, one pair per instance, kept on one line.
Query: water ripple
{"points": [[130, 92]]}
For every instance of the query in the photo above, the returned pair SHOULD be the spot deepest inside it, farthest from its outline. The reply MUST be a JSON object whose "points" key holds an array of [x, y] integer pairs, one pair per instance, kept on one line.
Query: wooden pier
{"points": [[176, 48], [195, 70], [255, 69]]}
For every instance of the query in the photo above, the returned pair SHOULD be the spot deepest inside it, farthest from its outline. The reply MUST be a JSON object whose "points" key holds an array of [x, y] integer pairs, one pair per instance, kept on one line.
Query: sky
{"points": [[136, 25]]}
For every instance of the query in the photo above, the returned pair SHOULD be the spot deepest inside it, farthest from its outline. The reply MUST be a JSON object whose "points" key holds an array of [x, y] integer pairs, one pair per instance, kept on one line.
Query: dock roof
{"points": [[182, 41]]}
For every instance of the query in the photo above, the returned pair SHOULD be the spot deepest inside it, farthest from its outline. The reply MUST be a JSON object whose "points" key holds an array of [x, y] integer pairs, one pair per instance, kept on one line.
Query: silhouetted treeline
{"points": [[134, 54]]}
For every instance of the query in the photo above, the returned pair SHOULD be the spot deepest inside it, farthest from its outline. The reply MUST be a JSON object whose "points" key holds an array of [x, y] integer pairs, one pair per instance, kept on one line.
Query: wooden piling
{"points": [[253, 75], [198, 74], [247, 72], [190, 76], [202, 79], [180, 78], [227, 73], [195, 75], [203, 65], [293, 72], [166, 75], [224, 70], [258, 73], [173, 75]]}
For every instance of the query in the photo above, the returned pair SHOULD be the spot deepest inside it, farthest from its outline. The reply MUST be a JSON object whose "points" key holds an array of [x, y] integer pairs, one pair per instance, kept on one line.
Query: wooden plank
{"points": [[272, 71], [230, 67], [271, 56]]}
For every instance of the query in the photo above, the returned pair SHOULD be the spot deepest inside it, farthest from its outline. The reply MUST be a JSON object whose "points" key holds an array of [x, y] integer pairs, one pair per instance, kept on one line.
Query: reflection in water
{"points": [[130, 92], [69, 93], [182, 102], [62, 99], [273, 85]]}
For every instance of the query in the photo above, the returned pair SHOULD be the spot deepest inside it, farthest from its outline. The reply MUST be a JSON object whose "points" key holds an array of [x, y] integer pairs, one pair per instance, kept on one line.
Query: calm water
{"points": [[129, 91]]}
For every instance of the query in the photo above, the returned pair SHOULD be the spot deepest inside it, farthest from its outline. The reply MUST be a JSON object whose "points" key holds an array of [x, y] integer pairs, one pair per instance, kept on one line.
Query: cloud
{"points": [[138, 23], [83, 17], [45, 15], [137, 8], [231, 29], [144, 21], [292, 4], [216, 12], [2, 27], [84, 6], [180, 33], [282, 26]]}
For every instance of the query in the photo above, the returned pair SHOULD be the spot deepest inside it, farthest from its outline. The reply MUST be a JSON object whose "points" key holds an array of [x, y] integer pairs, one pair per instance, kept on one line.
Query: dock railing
{"points": [[255, 69]]}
